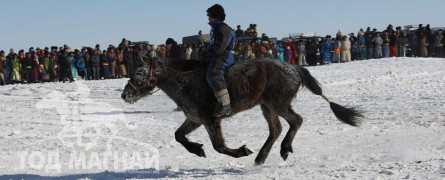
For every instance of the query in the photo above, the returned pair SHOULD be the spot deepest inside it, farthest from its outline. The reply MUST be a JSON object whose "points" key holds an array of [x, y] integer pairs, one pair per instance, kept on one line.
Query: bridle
{"points": [[135, 86], [151, 79]]}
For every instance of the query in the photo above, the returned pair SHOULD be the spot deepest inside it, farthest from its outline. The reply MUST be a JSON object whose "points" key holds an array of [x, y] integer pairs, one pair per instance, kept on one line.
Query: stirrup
{"points": [[223, 111]]}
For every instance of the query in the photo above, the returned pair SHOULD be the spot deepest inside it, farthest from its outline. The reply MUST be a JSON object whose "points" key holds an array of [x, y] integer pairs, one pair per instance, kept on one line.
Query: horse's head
{"points": [[143, 81]]}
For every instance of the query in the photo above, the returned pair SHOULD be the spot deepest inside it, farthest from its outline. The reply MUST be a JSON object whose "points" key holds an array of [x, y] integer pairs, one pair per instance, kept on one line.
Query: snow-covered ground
{"points": [[85, 130]]}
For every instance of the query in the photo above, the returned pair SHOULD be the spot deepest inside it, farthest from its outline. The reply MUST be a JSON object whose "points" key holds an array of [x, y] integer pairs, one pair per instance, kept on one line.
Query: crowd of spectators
{"points": [[369, 44], [60, 64]]}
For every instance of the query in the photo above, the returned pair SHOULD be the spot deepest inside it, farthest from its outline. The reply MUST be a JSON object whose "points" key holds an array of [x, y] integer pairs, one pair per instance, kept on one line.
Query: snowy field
{"points": [[84, 130]]}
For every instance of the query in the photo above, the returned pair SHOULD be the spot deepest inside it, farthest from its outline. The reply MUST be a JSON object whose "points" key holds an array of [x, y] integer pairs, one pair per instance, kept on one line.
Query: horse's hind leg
{"points": [[187, 127], [274, 132], [295, 121], [215, 133]]}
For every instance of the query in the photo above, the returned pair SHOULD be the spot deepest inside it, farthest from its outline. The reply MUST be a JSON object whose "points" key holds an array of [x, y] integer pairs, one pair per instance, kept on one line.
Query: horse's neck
{"points": [[172, 80]]}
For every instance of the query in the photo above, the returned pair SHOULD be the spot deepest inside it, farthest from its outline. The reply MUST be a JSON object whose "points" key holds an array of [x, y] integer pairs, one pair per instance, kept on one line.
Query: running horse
{"points": [[270, 83]]}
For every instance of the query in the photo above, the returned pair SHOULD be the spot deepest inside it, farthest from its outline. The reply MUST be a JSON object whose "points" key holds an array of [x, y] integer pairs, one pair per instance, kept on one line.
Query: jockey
{"points": [[219, 56]]}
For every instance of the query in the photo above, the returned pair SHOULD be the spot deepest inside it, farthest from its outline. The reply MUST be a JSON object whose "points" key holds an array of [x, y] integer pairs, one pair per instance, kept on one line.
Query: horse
{"points": [[270, 83]]}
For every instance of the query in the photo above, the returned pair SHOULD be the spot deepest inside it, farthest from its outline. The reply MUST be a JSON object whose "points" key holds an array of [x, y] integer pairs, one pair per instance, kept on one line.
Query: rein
{"points": [[151, 79], [171, 79]]}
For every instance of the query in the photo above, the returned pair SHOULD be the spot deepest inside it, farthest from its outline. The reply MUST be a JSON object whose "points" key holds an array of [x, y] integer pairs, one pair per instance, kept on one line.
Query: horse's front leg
{"points": [[187, 127], [215, 133]]}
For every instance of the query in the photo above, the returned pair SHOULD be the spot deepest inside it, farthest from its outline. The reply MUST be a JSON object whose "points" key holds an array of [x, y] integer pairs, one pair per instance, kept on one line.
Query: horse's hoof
{"points": [[284, 155], [201, 153], [197, 149], [285, 152], [259, 163], [246, 151]]}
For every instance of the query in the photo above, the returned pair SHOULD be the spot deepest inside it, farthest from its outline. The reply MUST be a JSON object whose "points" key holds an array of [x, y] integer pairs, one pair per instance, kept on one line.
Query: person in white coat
{"points": [[345, 49]]}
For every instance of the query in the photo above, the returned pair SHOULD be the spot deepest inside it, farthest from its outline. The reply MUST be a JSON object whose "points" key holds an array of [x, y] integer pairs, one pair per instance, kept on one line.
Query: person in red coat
{"points": [[293, 51]]}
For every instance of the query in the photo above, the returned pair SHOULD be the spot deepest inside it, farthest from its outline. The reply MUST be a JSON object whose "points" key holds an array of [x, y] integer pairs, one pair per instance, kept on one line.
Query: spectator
{"points": [[311, 52], [288, 55], [138, 53], [72, 60], [252, 31], [200, 37], [95, 61], [163, 51], [280, 51], [35, 67], [129, 58], [2, 62], [16, 74], [239, 32], [124, 44], [262, 50], [22, 58], [274, 49], [195, 53], [269, 50], [112, 57], [393, 44], [430, 38], [188, 51], [401, 44], [200, 52], [442, 44], [378, 42], [361, 32], [105, 65], [27, 63], [390, 29], [88, 63], [122, 66], [237, 51], [326, 49], [438, 43], [423, 45], [336, 47], [385, 45], [362, 43], [47, 66], [352, 38], [80, 64], [247, 51], [173, 50], [294, 51], [55, 67], [153, 51], [339, 36], [369, 45], [64, 66], [345, 50], [7, 66], [264, 38], [413, 44], [355, 50], [183, 48], [120, 58], [301, 51]]}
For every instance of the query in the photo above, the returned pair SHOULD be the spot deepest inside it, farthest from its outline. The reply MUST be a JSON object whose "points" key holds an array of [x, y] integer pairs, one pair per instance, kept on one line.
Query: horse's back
{"points": [[266, 80]]}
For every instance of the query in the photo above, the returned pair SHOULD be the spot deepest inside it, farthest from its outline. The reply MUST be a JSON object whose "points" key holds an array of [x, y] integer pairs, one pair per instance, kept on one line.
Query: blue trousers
{"points": [[215, 72]]}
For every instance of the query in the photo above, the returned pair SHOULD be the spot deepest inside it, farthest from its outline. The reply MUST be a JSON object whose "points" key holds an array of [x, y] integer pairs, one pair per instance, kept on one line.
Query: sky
{"points": [[77, 23]]}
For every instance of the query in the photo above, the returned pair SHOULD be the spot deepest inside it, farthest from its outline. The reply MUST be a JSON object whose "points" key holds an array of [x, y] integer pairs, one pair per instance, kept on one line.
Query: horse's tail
{"points": [[348, 115]]}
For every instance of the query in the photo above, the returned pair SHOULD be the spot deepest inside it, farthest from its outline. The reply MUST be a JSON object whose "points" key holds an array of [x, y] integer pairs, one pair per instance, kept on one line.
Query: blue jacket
{"points": [[80, 64]]}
